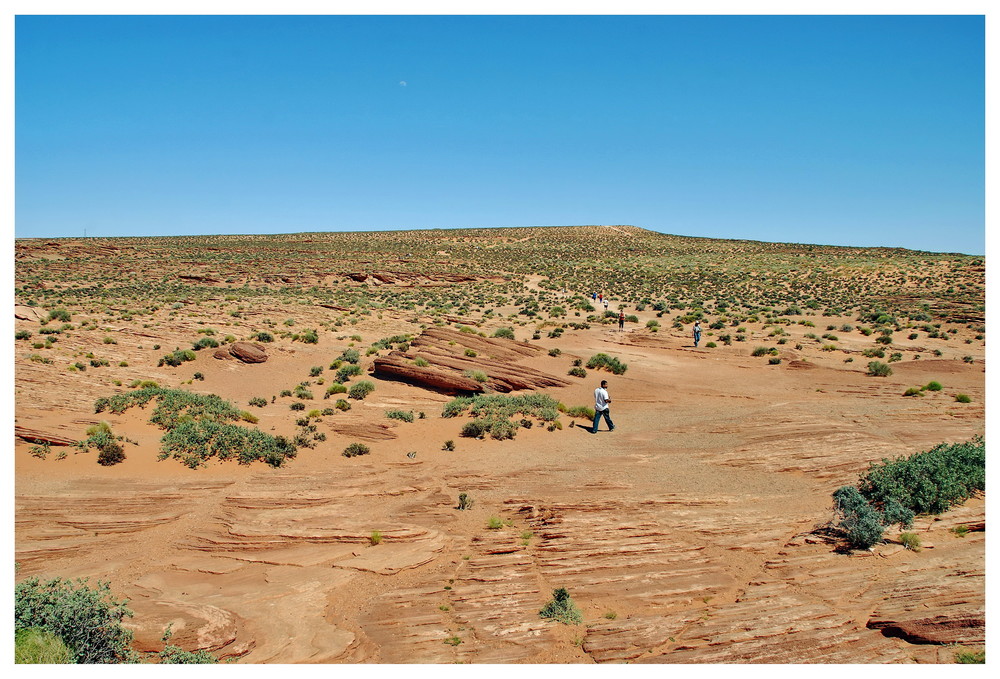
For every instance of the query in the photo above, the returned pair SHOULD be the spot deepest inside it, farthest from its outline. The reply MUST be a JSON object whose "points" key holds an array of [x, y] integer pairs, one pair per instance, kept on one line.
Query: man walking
{"points": [[621, 320], [697, 333], [602, 406]]}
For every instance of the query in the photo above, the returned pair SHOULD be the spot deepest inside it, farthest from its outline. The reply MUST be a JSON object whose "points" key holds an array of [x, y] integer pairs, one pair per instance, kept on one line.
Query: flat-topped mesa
{"points": [[448, 367]]}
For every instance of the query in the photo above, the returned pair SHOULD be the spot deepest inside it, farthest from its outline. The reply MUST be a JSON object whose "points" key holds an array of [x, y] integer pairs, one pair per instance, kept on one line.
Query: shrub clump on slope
{"points": [[894, 491], [89, 621], [198, 427], [492, 412]]}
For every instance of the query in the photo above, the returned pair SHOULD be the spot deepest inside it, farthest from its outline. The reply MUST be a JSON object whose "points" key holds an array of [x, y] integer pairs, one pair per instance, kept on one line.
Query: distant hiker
{"points": [[602, 406], [593, 296], [605, 305], [600, 297], [621, 320], [697, 332]]}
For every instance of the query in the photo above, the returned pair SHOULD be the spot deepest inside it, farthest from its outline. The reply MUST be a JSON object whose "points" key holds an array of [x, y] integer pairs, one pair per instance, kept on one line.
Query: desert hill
{"points": [[700, 531]]}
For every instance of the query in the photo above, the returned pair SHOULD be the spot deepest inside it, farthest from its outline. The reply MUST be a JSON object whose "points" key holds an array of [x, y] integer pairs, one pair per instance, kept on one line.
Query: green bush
{"points": [[205, 342], [933, 385], [963, 398], [562, 608], [355, 449], [264, 337], [351, 356], [37, 646], [505, 333], [577, 372], [913, 391], [759, 351], [859, 521], [258, 401], [88, 621], [348, 371], [894, 491], [606, 362], [911, 541], [404, 415], [22, 335], [335, 388], [343, 405], [360, 390], [879, 369]]}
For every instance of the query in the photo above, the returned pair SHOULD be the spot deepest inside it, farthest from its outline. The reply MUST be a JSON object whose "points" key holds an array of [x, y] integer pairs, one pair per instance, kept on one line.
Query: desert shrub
{"points": [[315, 371], [350, 356], [759, 351], [464, 501], [971, 657], [22, 335], [581, 411], [194, 442], [205, 342], [37, 646], [913, 391], [470, 353], [911, 541], [606, 362], [477, 375], [928, 482], [555, 351], [421, 362], [355, 449], [874, 352], [308, 337], [879, 369], [494, 523], [859, 520], [774, 360], [361, 389], [475, 428], [504, 333], [578, 372], [88, 620], [301, 391], [258, 401], [264, 337], [404, 415], [933, 386], [562, 608], [335, 388], [963, 398], [59, 315], [448, 445], [711, 345], [343, 405], [297, 405], [348, 371], [177, 357]]}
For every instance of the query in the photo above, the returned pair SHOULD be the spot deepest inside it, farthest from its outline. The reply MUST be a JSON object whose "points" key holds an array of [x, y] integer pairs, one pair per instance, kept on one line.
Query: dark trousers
{"points": [[607, 418]]}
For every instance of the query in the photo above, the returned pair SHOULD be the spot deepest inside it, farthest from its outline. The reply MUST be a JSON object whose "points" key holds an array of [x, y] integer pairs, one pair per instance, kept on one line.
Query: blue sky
{"points": [[845, 130]]}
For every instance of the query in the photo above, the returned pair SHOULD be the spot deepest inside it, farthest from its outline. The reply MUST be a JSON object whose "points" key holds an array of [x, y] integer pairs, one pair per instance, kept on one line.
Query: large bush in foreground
{"points": [[894, 491], [88, 620]]}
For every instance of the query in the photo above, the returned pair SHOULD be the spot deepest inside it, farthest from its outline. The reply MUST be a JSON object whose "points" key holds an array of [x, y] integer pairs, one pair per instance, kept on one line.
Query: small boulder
{"points": [[248, 352]]}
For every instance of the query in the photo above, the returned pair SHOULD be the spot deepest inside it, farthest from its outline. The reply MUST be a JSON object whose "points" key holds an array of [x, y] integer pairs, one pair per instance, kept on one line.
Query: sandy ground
{"points": [[686, 535]]}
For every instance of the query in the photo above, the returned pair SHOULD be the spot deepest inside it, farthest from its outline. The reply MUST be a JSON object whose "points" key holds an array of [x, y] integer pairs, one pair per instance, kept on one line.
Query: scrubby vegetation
{"points": [[606, 362], [492, 413], [197, 427], [87, 620], [895, 491], [562, 608]]}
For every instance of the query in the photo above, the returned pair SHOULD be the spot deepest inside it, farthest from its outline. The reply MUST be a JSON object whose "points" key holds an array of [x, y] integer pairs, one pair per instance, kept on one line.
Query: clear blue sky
{"points": [[853, 130]]}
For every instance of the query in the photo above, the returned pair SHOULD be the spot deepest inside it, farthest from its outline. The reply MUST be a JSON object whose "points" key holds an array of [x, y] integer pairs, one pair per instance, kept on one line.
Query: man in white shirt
{"points": [[602, 406]]}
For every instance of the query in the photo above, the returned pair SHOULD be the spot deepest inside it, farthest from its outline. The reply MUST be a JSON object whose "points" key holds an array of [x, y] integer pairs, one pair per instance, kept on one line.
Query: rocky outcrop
{"points": [[248, 352], [34, 436], [27, 313], [451, 354], [447, 381]]}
